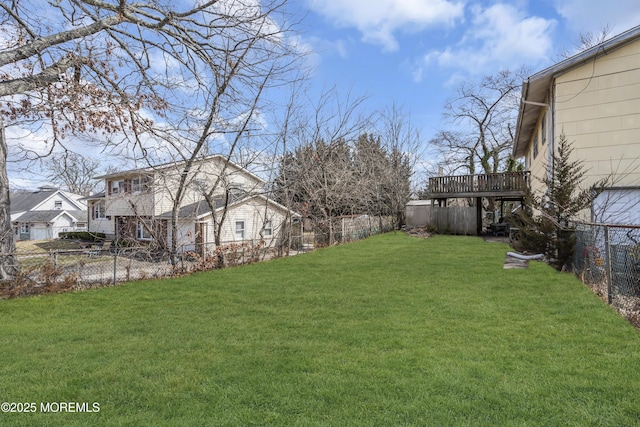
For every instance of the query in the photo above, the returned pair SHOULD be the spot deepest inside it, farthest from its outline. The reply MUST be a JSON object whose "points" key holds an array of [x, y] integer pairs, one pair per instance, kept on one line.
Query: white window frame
{"points": [[24, 228], [57, 205], [268, 228], [116, 187], [142, 231], [100, 210], [240, 231], [140, 184]]}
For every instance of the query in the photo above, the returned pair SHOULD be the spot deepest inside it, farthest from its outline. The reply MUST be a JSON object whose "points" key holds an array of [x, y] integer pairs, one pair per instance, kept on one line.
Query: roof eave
{"points": [[537, 86]]}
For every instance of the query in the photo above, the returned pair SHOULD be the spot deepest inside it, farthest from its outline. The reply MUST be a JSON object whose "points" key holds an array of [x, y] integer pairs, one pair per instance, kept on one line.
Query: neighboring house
{"points": [[594, 99], [137, 206], [43, 214]]}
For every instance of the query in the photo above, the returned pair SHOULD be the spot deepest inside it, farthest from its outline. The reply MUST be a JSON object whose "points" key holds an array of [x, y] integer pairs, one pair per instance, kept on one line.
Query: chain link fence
{"points": [[608, 260], [106, 264]]}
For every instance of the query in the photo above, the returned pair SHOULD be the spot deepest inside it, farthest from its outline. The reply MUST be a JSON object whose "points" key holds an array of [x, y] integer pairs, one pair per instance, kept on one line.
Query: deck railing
{"points": [[485, 183]]}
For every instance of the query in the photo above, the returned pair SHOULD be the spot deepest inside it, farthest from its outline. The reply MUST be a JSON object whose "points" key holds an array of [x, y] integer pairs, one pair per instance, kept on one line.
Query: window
{"points": [[140, 185], [24, 228], [535, 145], [239, 230], [143, 231], [116, 187], [268, 229], [544, 128], [200, 185], [99, 211], [57, 204]]}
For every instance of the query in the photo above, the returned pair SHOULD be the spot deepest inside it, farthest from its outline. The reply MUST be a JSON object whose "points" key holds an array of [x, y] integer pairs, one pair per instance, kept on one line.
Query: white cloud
{"points": [[592, 15], [500, 35], [378, 20]]}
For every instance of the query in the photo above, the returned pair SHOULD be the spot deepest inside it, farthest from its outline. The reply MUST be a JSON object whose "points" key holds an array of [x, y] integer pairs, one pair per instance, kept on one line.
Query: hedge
{"points": [[83, 235]]}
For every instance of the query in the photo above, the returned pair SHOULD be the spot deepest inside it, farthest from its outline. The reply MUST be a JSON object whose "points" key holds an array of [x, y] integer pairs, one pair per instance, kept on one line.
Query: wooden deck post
{"points": [[478, 216]]}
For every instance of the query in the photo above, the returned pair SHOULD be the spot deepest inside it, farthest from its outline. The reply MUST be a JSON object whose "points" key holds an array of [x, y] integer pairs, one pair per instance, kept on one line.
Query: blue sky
{"points": [[414, 52]]}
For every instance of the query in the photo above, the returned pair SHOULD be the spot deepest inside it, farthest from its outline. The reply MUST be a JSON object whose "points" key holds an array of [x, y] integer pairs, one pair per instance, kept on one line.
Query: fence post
{"points": [[115, 267], [607, 248]]}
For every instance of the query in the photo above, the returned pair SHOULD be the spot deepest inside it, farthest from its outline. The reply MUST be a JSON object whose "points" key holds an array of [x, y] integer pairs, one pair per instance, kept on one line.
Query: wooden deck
{"points": [[508, 185]]}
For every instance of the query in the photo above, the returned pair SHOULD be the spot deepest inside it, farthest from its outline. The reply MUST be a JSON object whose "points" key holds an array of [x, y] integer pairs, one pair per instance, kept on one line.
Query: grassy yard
{"points": [[388, 331], [30, 246]]}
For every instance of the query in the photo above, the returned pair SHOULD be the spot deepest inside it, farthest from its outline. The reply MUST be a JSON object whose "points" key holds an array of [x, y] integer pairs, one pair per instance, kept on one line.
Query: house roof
{"points": [[21, 202], [201, 209], [169, 165], [196, 210], [97, 196], [26, 201], [50, 215], [536, 88]]}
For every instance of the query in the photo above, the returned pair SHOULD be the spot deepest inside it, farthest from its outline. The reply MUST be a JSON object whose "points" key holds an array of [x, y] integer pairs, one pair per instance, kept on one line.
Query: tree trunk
{"points": [[8, 261]]}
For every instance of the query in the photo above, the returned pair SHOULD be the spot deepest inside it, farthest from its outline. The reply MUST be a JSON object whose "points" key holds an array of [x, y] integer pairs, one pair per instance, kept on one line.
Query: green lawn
{"points": [[388, 331]]}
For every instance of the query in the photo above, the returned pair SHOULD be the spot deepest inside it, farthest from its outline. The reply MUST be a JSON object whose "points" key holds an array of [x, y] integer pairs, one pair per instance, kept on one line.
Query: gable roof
{"points": [[21, 202], [201, 209], [26, 201], [170, 165], [50, 216], [536, 88]]}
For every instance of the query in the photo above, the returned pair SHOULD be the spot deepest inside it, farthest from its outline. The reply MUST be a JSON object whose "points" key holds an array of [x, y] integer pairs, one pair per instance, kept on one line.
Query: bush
{"points": [[82, 235]]}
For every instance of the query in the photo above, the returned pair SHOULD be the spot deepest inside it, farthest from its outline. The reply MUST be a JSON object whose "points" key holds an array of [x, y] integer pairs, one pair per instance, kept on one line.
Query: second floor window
{"points": [[57, 204], [140, 184], [116, 187], [535, 145]]}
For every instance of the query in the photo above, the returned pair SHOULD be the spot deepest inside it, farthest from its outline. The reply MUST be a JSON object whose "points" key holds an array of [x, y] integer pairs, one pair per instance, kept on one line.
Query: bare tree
{"points": [[8, 262], [404, 147], [151, 77], [484, 115], [587, 40], [73, 172], [315, 176]]}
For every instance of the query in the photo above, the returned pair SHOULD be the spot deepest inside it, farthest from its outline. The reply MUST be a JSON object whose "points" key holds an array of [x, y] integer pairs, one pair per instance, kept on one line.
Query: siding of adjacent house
{"points": [[130, 204], [598, 107], [157, 201], [537, 163], [254, 213], [166, 181]]}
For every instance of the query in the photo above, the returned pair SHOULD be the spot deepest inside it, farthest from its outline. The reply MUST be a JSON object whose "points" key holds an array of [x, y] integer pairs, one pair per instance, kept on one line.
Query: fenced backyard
{"points": [[608, 260], [55, 270], [388, 331]]}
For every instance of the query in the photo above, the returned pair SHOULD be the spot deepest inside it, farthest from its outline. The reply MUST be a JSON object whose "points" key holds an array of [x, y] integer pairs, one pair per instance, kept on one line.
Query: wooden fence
{"points": [[453, 220]]}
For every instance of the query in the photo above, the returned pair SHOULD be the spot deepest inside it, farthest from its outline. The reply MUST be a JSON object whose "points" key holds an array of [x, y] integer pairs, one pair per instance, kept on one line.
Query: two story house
{"points": [[137, 205], [593, 98], [45, 213]]}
